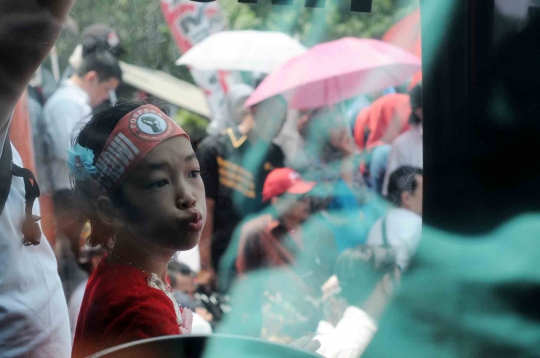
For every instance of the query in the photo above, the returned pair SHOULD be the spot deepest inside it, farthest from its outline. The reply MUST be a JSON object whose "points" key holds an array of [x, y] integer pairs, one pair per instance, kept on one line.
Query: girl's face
{"points": [[165, 196]]}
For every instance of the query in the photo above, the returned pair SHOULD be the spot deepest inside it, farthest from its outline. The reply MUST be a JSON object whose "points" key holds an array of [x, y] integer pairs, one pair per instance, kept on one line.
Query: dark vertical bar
{"points": [[361, 5], [460, 61], [282, 2], [316, 3]]}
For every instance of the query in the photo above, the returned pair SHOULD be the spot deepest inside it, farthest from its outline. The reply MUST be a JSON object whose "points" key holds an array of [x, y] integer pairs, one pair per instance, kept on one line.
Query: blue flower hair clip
{"points": [[80, 162]]}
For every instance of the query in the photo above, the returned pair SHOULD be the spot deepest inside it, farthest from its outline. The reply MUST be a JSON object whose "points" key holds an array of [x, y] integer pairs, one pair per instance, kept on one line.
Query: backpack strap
{"points": [[31, 230], [5, 174]]}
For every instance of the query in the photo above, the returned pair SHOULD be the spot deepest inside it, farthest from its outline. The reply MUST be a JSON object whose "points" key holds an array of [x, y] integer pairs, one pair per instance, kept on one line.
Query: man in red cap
{"points": [[273, 239]]}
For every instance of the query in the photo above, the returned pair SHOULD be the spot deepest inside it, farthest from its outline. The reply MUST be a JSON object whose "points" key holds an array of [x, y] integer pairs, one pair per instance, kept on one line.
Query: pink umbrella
{"points": [[335, 71]]}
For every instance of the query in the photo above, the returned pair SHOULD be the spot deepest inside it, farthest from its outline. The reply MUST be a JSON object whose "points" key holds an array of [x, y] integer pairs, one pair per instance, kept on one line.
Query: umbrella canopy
{"points": [[166, 87], [407, 34], [335, 71], [253, 51]]}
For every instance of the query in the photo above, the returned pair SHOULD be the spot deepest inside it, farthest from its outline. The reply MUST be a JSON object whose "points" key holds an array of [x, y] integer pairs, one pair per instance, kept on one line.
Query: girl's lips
{"points": [[195, 226], [195, 223]]}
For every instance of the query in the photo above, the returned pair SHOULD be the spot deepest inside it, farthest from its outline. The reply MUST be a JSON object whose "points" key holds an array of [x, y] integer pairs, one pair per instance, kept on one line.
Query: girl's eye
{"points": [[194, 173], [159, 184]]}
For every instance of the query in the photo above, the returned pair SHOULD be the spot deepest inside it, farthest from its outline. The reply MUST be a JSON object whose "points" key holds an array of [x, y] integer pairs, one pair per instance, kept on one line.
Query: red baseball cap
{"points": [[285, 180]]}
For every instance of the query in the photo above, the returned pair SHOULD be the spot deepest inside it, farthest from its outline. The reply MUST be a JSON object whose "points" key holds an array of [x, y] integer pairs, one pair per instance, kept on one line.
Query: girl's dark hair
{"points": [[93, 135]]}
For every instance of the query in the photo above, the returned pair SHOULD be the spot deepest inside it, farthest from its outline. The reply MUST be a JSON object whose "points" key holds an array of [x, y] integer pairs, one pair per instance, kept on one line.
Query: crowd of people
{"points": [[304, 238]]}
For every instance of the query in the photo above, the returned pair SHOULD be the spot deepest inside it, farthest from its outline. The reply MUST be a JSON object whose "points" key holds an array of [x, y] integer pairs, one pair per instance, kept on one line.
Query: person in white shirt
{"points": [[407, 149], [33, 311], [367, 278], [72, 103], [401, 228]]}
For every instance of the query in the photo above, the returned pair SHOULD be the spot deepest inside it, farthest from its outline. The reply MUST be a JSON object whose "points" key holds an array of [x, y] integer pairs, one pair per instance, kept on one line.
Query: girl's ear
{"points": [[108, 213]]}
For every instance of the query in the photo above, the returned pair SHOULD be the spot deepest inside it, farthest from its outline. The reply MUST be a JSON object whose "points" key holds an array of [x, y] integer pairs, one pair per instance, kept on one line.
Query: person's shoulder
{"points": [[211, 142], [61, 100], [375, 233], [216, 138], [404, 223], [116, 284], [275, 149]]}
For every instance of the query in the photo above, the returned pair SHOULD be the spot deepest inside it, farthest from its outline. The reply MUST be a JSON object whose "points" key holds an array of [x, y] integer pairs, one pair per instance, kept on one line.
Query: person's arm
{"points": [[28, 30]]}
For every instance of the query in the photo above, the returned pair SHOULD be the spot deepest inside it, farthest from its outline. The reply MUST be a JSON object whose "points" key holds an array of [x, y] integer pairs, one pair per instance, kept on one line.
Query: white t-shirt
{"points": [[403, 232], [67, 107], [350, 338], [407, 149], [33, 310]]}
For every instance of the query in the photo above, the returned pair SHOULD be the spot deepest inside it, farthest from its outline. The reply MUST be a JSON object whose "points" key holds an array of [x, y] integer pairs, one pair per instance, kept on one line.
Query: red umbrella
{"points": [[406, 34]]}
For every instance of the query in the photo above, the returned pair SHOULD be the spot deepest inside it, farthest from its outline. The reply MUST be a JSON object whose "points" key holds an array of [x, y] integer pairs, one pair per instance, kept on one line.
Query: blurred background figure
{"points": [[274, 239], [401, 227], [367, 278], [375, 128], [182, 283], [330, 157], [407, 149], [182, 280], [234, 166]]}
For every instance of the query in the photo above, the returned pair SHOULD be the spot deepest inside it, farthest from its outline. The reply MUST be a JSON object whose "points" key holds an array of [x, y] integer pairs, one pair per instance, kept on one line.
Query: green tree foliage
{"points": [[144, 32], [148, 41], [311, 25]]}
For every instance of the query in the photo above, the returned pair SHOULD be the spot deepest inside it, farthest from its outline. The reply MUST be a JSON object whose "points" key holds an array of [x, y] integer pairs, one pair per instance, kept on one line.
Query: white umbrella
{"points": [[251, 51]]}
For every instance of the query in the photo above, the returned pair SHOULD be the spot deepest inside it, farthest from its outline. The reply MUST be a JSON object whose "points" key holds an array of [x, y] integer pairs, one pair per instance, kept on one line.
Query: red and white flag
{"points": [[191, 22]]}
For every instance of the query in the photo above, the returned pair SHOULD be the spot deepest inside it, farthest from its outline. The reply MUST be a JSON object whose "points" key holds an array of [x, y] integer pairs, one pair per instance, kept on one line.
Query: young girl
{"points": [[140, 187]]}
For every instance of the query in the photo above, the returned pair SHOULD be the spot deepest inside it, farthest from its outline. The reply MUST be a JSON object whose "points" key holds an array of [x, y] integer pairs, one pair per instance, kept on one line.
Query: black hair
{"points": [[100, 36], [416, 99], [103, 62], [360, 269], [403, 179], [93, 136]]}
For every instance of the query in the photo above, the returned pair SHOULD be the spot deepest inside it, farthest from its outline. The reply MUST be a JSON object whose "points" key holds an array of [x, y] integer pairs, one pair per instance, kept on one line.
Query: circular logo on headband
{"points": [[149, 125]]}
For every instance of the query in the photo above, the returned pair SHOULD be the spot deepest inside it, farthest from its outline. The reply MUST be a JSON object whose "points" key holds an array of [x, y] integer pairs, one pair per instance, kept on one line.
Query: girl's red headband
{"points": [[136, 134]]}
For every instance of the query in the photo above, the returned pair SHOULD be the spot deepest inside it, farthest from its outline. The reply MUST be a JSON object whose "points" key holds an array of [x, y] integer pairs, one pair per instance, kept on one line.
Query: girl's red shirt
{"points": [[119, 307]]}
